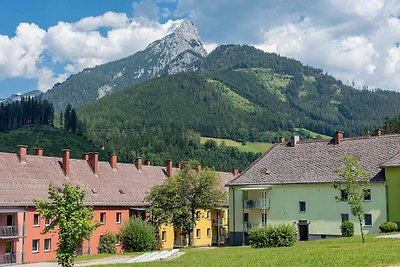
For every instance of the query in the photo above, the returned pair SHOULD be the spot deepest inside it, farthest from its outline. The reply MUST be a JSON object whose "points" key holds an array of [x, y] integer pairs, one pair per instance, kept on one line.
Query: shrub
{"points": [[107, 244], [388, 227], [347, 229], [273, 236], [137, 235]]}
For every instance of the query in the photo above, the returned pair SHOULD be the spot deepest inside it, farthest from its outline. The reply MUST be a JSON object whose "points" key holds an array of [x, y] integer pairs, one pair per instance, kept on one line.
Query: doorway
{"points": [[303, 230]]}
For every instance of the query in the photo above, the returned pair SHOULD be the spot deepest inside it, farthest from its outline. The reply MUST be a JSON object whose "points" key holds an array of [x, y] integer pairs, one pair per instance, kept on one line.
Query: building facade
{"points": [[115, 191], [292, 184]]}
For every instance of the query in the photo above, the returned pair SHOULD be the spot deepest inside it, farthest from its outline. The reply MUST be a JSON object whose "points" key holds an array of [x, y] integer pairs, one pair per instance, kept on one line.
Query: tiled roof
{"points": [[316, 161], [20, 183], [393, 162]]}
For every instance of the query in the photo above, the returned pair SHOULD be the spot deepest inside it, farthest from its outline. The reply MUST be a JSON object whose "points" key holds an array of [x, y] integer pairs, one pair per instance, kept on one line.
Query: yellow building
{"points": [[210, 229]]}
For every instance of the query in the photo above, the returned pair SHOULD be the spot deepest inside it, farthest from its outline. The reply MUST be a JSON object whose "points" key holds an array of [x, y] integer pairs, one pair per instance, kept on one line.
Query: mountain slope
{"points": [[52, 140], [178, 52]]}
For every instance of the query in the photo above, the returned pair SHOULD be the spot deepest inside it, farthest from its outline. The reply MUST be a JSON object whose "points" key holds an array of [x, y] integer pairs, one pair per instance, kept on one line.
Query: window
{"points": [[222, 214], [343, 195], [367, 194], [245, 195], [302, 206], [103, 217], [10, 219], [198, 233], [345, 217], [47, 222], [8, 247], [198, 215], [36, 220], [35, 245], [118, 217], [163, 235], [208, 214], [47, 244], [208, 232], [245, 217], [368, 219]]}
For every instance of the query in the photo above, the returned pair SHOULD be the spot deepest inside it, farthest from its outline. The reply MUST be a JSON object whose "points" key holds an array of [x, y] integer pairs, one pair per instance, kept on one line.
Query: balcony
{"points": [[260, 204], [10, 258], [247, 226], [220, 222], [7, 232]]}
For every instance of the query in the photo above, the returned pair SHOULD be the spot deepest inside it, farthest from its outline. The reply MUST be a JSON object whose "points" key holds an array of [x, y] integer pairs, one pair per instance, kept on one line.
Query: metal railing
{"points": [[247, 226], [10, 231], [10, 258], [82, 251], [220, 222], [256, 204]]}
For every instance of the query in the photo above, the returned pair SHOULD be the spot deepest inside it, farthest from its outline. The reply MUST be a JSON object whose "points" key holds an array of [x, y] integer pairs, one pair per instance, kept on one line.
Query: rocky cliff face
{"points": [[179, 51]]}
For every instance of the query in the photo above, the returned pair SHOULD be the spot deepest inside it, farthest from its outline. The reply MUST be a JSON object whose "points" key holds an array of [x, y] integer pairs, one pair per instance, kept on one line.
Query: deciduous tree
{"points": [[69, 218]]}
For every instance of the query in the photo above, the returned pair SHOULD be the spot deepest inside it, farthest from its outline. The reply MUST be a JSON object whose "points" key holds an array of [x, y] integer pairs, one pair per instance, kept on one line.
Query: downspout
{"points": [[23, 235], [233, 211]]}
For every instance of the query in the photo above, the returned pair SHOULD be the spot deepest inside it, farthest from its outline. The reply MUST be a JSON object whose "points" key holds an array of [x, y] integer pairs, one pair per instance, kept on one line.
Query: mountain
{"points": [[180, 51], [18, 96], [240, 93]]}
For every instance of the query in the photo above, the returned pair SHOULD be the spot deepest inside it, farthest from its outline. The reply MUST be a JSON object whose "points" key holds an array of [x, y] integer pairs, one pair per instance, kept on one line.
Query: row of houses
{"points": [[290, 183], [115, 190]]}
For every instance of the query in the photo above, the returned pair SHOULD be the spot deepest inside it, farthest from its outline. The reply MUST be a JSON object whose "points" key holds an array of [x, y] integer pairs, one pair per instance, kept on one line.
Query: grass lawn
{"points": [[330, 252], [255, 147]]}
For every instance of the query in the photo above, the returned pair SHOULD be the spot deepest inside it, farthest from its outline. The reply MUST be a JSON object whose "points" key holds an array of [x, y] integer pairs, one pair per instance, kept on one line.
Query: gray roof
{"points": [[316, 161], [393, 162]]}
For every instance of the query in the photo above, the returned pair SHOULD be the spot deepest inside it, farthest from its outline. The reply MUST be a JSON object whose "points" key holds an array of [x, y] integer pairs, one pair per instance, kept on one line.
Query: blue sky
{"points": [[43, 42]]}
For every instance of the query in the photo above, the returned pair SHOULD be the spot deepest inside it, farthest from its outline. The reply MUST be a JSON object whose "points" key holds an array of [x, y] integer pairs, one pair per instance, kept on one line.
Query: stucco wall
{"points": [[323, 212], [393, 187]]}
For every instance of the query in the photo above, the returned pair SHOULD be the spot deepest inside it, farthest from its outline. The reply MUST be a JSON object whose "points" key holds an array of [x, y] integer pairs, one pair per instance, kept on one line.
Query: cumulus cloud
{"points": [[86, 43]]}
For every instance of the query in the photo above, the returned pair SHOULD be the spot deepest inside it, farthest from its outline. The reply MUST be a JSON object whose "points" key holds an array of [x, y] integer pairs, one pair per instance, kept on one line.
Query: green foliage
{"points": [[284, 235], [391, 125], [353, 180], [388, 227], [28, 111], [177, 199], [347, 228], [107, 244], [52, 140], [137, 235], [69, 217]]}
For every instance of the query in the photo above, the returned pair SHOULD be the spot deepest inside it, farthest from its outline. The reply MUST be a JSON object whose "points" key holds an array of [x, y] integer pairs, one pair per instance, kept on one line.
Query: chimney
{"points": [[138, 163], [39, 151], [338, 137], [113, 161], [295, 139], [169, 167], [94, 161], [22, 153], [85, 156], [147, 162], [198, 168], [281, 139], [235, 171], [65, 162], [378, 132], [178, 165]]}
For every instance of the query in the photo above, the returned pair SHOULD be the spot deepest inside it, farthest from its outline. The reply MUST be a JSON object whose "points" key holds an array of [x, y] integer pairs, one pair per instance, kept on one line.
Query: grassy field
{"points": [[255, 147], [331, 252], [96, 257]]}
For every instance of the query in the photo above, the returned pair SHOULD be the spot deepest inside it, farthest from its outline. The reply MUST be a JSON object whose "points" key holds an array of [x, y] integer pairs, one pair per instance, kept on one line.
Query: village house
{"points": [[115, 190], [291, 183]]}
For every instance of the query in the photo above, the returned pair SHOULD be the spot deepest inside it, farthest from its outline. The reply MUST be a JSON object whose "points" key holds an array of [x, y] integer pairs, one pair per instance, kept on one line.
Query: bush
{"points": [[273, 236], [347, 229], [107, 244], [137, 235], [388, 227]]}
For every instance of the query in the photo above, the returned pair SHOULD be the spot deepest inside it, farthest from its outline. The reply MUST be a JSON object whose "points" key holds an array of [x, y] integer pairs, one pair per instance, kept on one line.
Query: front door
{"points": [[303, 230], [10, 219]]}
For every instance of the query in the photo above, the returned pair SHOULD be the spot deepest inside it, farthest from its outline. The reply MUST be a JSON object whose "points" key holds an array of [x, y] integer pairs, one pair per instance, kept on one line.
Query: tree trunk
{"points": [[361, 229]]}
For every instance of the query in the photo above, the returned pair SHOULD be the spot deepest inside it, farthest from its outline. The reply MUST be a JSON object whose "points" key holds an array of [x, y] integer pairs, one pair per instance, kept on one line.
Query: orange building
{"points": [[116, 192]]}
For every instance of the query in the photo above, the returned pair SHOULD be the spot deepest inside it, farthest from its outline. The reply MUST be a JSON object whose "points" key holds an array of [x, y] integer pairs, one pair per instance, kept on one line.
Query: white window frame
{"points": [[208, 215], [118, 217], [366, 220], [370, 195], [208, 232], [103, 219], [198, 233], [37, 245], [49, 248], [163, 236], [36, 215], [47, 222]]}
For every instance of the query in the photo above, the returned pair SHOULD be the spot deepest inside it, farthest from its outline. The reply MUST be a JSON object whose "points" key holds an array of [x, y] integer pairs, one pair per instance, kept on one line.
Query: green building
{"points": [[291, 183]]}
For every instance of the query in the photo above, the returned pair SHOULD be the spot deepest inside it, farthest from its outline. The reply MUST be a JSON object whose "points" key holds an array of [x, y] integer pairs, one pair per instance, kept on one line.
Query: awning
{"points": [[267, 187], [11, 210]]}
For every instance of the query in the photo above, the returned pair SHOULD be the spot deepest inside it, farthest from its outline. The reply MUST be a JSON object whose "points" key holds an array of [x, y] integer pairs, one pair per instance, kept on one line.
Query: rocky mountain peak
{"points": [[187, 31]]}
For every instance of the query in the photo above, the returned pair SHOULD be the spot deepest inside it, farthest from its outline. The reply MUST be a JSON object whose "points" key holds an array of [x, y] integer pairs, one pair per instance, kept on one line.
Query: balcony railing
{"points": [[247, 226], [10, 258], [10, 232], [256, 204], [220, 222]]}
